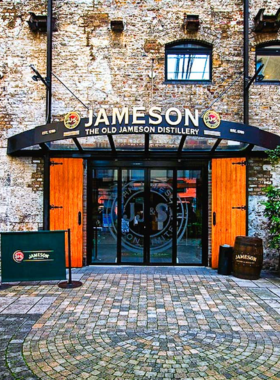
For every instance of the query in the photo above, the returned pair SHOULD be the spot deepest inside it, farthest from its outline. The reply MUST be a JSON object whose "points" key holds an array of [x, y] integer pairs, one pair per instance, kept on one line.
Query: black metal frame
{"points": [[139, 156], [19, 144], [46, 190], [246, 63], [205, 49], [246, 87], [49, 62], [148, 165]]}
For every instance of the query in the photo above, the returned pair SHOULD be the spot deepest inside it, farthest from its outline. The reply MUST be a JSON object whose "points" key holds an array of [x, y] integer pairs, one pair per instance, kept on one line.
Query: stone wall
{"points": [[264, 99], [260, 175], [21, 108], [264, 113], [108, 69]]}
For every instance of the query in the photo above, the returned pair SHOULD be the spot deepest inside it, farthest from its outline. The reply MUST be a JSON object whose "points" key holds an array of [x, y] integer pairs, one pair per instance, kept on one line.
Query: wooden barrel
{"points": [[247, 257]]}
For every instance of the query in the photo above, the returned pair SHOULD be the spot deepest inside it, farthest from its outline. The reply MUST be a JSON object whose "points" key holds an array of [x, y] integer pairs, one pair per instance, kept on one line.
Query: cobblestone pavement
{"points": [[142, 323]]}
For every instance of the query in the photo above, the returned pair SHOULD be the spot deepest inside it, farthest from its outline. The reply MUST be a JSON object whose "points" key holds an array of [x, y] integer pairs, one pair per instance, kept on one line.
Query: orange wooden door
{"points": [[228, 192], [66, 195]]}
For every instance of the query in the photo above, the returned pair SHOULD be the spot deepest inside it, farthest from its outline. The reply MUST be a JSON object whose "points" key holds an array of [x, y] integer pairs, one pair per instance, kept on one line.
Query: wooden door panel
{"points": [[228, 192], [66, 194]]}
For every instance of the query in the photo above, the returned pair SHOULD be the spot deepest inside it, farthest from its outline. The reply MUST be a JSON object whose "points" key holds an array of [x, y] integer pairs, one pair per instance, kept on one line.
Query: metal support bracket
{"points": [[242, 163], [243, 208], [52, 163], [52, 207]]}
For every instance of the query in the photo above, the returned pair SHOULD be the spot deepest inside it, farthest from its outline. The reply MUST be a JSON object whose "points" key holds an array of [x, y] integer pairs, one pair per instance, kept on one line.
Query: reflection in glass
{"points": [[161, 216], [259, 148], [271, 70], [67, 144], [188, 67], [147, 212], [189, 217], [132, 220], [164, 142], [94, 142], [33, 147], [123, 142], [231, 145], [198, 143], [104, 216]]}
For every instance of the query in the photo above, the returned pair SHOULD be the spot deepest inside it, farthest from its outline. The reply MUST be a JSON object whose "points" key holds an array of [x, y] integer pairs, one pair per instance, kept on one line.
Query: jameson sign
{"points": [[138, 117], [140, 121], [33, 256]]}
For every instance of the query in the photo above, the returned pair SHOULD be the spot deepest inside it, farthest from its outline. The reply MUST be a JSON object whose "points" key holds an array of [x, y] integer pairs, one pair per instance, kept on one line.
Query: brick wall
{"points": [[259, 175], [106, 69]]}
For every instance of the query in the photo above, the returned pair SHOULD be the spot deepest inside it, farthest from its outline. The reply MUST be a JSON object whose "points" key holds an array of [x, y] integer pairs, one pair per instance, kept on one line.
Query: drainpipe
{"points": [[246, 63], [46, 202], [246, 94], [49, 63]]}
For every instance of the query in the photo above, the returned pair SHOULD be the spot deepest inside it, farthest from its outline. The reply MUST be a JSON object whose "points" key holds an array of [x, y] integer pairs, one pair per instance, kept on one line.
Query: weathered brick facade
{"points": [[108, 69]]}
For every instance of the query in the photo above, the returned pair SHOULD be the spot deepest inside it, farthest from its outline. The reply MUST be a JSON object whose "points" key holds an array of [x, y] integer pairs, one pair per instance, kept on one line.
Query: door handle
{"points": [[214, 219], [79, 218]]}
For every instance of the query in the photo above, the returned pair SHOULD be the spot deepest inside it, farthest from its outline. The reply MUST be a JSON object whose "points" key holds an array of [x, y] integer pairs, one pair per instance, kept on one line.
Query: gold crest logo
{"points": [[72, 120], [212, 119]]}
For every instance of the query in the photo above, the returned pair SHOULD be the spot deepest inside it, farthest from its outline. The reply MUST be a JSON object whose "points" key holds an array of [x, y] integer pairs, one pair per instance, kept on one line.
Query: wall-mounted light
{"points": [[152, 74], [38, 76]]}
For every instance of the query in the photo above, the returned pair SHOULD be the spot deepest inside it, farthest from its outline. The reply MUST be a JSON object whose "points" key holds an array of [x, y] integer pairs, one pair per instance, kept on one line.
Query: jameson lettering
{"points": [[138, 117], [246, 257]]}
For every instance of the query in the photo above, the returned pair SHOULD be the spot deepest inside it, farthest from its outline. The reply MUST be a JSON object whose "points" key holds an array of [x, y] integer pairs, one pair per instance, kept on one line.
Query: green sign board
{"points": [[33, 256]]}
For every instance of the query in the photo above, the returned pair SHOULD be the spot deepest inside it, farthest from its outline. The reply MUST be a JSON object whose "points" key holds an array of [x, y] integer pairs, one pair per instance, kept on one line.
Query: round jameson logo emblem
{"points": [[212, 119], [160, 227], [72, 120], [18, 256]]}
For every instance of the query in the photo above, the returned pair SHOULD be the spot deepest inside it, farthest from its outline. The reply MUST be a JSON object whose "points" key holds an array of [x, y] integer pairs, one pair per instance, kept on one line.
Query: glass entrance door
{"points": [[103, 216], [133, 223], [161, 216], [189, 226], [147, 216]]}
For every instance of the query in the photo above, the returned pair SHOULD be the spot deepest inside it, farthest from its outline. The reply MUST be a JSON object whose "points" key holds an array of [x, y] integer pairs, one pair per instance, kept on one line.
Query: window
{"points": [[269, 56], [188, 62]]}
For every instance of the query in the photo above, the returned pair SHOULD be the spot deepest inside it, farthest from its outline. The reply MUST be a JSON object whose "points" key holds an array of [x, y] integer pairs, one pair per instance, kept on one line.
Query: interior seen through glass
{"points": [[149, 216], [271, 69]]}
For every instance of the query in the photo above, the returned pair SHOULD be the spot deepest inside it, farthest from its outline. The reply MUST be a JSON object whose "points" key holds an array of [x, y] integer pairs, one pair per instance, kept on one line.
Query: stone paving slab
{"points": [[25, 304], [13, 331], [143, 323]]}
